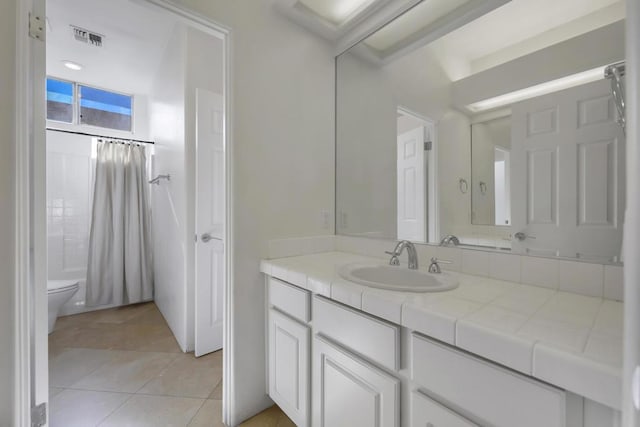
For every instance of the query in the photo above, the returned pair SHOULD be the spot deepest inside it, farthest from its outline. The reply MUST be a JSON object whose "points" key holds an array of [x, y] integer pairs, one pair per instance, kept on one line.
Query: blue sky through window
{"points": [[105, 101], [59, 91]]}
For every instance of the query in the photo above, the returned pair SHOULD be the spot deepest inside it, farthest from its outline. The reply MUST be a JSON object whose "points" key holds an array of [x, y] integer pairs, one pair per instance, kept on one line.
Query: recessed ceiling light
{"points": [[72, 65], [538, 90]]}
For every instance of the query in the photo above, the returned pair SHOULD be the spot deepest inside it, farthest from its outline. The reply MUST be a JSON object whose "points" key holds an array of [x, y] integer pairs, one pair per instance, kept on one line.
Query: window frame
{"points": [[76, 105]]}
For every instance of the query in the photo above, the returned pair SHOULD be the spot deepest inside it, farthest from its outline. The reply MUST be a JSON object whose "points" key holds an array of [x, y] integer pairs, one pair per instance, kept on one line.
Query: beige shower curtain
{"points": [[120, 269]]}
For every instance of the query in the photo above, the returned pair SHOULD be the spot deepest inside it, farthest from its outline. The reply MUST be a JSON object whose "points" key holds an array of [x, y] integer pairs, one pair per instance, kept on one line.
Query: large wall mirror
{"points": [[463, 118]]}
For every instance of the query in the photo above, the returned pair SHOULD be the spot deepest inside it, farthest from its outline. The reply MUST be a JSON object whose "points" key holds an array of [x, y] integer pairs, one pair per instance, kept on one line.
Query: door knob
{"points": [[521, 236], [206, 237]]}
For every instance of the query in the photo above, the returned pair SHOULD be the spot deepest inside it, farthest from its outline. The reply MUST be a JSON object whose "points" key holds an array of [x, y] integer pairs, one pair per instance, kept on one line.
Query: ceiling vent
{"points": [[86, 36]]}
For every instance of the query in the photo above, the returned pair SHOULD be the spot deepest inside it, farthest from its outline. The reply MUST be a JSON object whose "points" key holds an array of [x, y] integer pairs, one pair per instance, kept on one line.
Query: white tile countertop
{"points": [[569, 340]]}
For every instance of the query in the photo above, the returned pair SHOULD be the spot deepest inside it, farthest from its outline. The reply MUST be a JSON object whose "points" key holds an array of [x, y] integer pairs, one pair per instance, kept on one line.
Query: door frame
{"points": [[30, 386], [433, 206]]}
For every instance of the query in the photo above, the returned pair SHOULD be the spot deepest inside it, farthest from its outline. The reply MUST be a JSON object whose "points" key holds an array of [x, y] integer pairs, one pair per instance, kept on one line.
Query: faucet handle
{"points": [[392, 253], [435, 260]]}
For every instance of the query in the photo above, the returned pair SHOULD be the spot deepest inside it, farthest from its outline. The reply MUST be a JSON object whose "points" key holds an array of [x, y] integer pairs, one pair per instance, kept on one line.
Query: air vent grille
{"points": [[86, 36]]}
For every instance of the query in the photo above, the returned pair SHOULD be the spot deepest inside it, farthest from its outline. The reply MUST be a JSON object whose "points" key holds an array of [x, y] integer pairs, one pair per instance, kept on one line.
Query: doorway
{"points": [[169, 66], [416, 177]]}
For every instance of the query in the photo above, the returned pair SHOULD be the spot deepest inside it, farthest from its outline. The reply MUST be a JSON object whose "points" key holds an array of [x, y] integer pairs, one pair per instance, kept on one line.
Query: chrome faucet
{"points": [[449, 239], [434, 267], [411, 251]]}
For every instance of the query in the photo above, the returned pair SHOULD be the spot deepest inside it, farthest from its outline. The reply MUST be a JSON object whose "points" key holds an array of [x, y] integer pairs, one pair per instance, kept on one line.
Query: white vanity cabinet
{"points": [[331, 365], [289, 350]]}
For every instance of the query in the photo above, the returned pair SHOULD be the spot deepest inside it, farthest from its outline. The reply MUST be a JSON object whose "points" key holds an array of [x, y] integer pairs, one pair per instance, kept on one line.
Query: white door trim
{"points": [[630, 404], [25, 69], [22, 293]]}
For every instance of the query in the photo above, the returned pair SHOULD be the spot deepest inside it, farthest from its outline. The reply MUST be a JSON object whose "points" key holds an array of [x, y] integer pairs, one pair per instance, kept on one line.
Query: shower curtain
{"points": [[120, 269]]}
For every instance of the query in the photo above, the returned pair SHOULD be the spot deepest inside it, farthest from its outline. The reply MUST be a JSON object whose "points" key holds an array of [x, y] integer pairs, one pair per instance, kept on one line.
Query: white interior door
{"points": [[412, 222], [210, 209], [568, 173]]}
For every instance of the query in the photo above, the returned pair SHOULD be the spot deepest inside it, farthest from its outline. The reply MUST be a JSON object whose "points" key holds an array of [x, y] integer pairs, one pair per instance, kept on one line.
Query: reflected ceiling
{"points": [[337, 11]]}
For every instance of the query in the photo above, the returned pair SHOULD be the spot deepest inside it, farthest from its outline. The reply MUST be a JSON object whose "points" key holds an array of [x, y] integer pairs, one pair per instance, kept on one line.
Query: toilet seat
{"points": [[55, 286]]}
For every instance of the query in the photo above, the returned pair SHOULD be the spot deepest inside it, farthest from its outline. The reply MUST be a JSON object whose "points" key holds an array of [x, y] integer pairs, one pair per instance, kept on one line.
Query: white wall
{"points": [[167, 129], [7, 207], [282, 162], [368, 99]]}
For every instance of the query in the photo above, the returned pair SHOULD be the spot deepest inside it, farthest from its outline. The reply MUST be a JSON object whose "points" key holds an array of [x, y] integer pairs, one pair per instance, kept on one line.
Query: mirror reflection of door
{"points": [[414, 142], [502, 179], [568, 174], [490, 170]]}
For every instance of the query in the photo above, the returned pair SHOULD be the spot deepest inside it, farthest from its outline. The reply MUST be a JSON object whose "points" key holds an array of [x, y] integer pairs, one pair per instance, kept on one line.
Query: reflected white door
{"points": [[568, 173], [210, 209], [412, 222]]}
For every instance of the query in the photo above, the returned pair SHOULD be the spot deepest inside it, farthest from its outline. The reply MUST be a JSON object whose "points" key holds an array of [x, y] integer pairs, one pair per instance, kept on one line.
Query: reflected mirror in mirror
{"points": [[490, 172], [461, 119]]}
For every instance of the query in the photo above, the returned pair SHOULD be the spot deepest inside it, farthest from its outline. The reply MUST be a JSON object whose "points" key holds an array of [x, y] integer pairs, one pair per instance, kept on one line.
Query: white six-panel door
{"points": [[568, 173], [210, 208], [412, 209]]}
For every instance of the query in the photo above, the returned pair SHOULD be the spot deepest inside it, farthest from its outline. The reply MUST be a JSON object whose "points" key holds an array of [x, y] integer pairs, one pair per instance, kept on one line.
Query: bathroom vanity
{"points": [[488, 353]]}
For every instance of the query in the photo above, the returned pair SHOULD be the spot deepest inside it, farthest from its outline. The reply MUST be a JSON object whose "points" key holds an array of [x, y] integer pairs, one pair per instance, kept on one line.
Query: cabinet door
{"points": [[289, 362], [428, 413], [348, 391]]}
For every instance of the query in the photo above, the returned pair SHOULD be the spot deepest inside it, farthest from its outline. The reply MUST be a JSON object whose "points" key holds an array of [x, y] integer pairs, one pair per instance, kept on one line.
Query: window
{"points": [[105, 109], [95, 107], [59, 101]]}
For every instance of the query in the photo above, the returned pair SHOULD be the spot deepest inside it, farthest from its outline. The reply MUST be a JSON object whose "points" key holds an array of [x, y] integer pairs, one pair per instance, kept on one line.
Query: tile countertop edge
{"points": [[571, 371], [565, 369]]}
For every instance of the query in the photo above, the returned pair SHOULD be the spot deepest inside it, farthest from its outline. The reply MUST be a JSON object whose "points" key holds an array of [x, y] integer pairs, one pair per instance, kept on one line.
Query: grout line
{"points": [[196, 413], [115, 409]]}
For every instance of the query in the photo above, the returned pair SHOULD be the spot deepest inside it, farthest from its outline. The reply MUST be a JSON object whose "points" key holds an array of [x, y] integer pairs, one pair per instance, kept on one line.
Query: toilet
{"points": [[58, 293]]}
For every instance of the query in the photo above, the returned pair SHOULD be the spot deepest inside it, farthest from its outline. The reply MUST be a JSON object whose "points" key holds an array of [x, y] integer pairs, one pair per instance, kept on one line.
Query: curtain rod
{"points": [[100, 136]]}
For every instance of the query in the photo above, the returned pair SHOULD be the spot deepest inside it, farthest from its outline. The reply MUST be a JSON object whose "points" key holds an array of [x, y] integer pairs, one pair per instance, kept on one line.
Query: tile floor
{"points": [[122, 367]]}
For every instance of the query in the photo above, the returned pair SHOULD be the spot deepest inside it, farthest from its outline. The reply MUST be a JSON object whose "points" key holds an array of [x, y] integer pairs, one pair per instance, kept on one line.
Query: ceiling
{"points": [[135, 38], [521, 27], [337, 12], [497, 34]]}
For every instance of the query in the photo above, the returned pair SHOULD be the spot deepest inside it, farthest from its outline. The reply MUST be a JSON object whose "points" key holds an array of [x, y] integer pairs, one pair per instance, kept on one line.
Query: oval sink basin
{"points": [[397, 278]]}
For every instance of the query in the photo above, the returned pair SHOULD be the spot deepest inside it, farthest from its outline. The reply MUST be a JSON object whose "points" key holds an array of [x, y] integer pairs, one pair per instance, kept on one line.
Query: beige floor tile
{"points": [[217, 392], [72, 364], [126, 371], [80, 408], [209, 415], [152, 315], [127, 336], [117, 315], [154, 411], [187, 376], [272, 417]]}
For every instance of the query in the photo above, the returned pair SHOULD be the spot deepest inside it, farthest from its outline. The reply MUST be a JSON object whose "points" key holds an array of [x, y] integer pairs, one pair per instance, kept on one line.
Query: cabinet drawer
{"points": [[500, 397], [427, 412], [376, 339], [290, 299]]}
